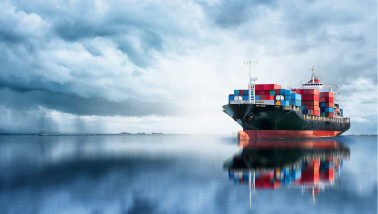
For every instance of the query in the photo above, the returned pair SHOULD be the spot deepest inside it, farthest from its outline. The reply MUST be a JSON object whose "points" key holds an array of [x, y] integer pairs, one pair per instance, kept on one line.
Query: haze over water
{"points": [[163, 174]]}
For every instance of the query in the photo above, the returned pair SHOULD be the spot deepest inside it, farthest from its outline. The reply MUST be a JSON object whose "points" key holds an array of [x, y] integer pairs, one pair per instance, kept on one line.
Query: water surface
{"points": [[164, 174]]}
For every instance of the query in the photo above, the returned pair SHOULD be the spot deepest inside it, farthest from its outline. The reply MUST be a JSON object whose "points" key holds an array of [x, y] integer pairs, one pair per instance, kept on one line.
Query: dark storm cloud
{"points": [[31, 32], [71, 103]]}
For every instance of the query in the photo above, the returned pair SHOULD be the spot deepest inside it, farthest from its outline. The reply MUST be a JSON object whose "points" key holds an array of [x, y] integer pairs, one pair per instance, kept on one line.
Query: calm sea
{"points": [[180, 174]]}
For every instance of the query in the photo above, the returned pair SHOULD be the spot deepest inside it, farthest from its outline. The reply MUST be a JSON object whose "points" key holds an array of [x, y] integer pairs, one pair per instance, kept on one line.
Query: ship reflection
{"points": [[309, 165]]}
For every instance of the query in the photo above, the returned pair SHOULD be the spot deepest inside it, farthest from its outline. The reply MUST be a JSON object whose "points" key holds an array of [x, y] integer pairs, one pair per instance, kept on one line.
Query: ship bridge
{"points": [[315, 83]]}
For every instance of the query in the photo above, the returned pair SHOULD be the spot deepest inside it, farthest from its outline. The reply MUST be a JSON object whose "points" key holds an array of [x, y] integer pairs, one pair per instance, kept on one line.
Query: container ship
{"points": [[268, 111]]}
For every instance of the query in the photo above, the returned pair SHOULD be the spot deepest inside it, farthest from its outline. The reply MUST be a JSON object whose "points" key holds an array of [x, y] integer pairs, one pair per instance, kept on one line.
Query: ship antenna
{"points": [[251, 80], [313, 73]]}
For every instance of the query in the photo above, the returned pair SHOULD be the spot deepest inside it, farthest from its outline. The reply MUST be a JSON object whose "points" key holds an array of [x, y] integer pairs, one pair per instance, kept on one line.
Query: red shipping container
{"points": [[329, 114], [322, 99], [315, 108], [259, 87], [241, 92], [326, 94], [316, 112], [313, 103], [328, 99], [272, 87], [260, 92], [329, 105], [310, 97], [268, 97]]}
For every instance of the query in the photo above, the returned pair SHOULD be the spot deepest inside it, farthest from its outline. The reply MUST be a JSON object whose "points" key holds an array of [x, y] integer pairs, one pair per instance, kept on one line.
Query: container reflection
{"points": [[308, 165]]}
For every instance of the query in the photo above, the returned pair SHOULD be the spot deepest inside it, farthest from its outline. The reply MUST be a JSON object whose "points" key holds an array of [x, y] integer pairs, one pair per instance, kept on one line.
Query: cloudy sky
{"points": [[151, 66]]}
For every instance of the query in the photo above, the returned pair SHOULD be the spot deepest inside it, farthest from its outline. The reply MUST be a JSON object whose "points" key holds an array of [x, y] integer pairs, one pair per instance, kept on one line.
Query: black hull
{"points": [[270, 117]]}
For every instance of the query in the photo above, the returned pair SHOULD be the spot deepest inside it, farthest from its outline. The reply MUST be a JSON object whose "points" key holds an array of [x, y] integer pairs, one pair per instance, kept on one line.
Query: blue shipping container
{"points": [[295, 102], [341, 110], [271, 93], [284, 103], [328, 109], [322, 104], [231, 97], [303, 107], [246, 92], [287, 92], [296, 97], [236, 92], [282, 91], [287, 97]]}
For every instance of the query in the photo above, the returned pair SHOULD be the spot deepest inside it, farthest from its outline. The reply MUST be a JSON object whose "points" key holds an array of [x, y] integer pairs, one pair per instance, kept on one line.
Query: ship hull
{"points": [[276, 122]]}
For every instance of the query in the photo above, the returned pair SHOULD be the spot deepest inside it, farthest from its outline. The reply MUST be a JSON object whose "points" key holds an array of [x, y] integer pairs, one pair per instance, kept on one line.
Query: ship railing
{"points": [[338, 120]]}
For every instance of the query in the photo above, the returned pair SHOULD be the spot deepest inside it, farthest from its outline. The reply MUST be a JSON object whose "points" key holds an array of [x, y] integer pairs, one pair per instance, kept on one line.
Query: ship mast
{"points": [[313, 73], [251, 81]]}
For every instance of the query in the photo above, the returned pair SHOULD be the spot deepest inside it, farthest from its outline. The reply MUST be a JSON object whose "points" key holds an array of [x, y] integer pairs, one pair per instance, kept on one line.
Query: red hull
{"points": [[289, 134]]}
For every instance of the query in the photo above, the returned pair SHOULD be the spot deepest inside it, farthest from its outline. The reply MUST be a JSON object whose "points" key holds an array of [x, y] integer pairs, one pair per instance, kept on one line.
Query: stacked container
{"points": [[284, 98], [310, 101], [266, 91], [326, 104]]}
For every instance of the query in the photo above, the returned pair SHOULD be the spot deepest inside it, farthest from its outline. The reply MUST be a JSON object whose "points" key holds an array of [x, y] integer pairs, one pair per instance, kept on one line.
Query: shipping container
{"points": [[296, 96], [287, 92], [295, 102], [284, 103], [272, 93], [329, 114], [327, 109], [328, 105], [328, 99], [311, 92], [322, 104], [266, 97], [287, 97], [315, 108], [310, 97], [326, 94]]}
